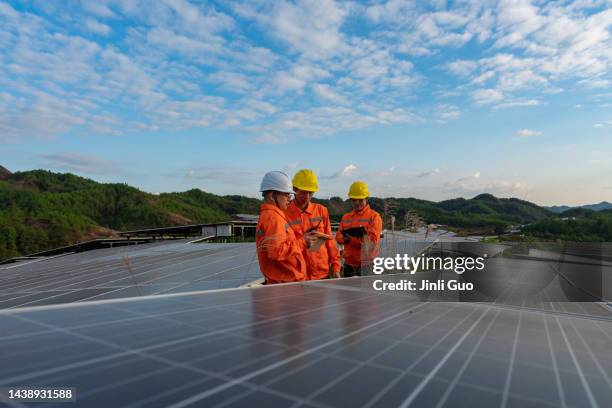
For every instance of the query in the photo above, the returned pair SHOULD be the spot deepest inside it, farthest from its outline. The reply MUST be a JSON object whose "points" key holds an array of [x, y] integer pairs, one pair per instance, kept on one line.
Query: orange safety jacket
{"points": [[328, 255], [371, 221], [280, 252]]}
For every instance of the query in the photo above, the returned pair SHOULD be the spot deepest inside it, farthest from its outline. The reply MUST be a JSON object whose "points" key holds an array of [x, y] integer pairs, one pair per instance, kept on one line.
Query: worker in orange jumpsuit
{"points": [[359, 232], [305, 216], [279, 251]]}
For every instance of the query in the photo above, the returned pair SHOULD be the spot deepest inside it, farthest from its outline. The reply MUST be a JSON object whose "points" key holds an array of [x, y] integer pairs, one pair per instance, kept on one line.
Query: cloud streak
{"points": [[80, 163], [345, 172], [433, 172], [527, 133]]}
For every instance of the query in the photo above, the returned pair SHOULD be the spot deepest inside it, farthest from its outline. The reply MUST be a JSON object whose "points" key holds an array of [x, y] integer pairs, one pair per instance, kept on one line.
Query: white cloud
{"points": [[462, 67], [483, 78], [232, 81], [326, 93], [262, 106], [324, 121], [520, 80], [226, 174], [527, 133], [506, 188], [390, 11], [347, 171], [450, 115], [286, 82], [202, 22], [540, 44], [268, 138], [296, 78], [397, 115], [97, 8], [433, 172], [447, 112], [162, 37], [474, 176], [473, 184], [79, 163], [97, 27], [487, 96], [310, 28], [595, 83], [517, 19], [292, 166], [308, 72], [518, 103]]}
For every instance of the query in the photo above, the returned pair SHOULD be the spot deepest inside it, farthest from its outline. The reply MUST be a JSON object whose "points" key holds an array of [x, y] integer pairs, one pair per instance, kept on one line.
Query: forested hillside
{"points": [[483, 212], [41, 210], [575, 225]]}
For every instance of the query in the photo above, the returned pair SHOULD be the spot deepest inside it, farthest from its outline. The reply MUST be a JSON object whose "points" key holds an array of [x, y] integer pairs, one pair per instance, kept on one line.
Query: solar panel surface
{"points": [[146, 269], [164, 267], [314, 344], [310, 344]]}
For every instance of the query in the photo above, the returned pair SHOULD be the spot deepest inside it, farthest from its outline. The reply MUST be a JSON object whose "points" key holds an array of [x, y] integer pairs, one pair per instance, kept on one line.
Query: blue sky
{"points": [[430, 100]]}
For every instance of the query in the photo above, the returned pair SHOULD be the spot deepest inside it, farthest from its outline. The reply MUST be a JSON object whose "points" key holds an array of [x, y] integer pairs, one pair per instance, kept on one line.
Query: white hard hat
{"points": [[276, 181]]}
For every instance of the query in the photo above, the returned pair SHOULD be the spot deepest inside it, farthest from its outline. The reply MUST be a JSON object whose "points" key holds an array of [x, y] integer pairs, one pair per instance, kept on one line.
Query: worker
{"points": [[359, 232], [305, 216], [280, 252]]}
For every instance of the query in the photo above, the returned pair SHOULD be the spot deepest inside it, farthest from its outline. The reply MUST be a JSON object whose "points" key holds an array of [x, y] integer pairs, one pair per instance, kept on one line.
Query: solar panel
{"points": [[147, 269], [166, 267], [309, 344]]}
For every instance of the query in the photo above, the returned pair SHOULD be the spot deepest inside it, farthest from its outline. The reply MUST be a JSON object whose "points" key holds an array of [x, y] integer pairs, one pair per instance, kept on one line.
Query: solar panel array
{"points": [[146, 269], [164, 267], [323, 344], [315, 344]]}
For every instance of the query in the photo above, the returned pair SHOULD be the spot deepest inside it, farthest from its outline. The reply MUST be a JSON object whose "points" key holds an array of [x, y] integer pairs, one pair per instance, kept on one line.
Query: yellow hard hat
{"points": [[359, 190], [306, 180]]}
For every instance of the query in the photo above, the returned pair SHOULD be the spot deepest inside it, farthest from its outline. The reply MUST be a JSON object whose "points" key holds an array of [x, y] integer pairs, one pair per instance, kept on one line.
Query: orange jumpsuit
{"points": [[319, 261], [279, 251], [371, 221]]}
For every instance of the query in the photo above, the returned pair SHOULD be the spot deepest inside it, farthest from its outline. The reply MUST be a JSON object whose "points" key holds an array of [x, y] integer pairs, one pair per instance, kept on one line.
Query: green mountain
{"points": [[41, 210], [4, 173], [483, 214], [577, 224], [604, 205], [510, 209]]}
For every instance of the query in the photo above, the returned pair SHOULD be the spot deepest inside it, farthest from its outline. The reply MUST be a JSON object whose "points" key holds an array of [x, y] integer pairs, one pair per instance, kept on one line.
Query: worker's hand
{"points": [[311, 239], [337, 275]]}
